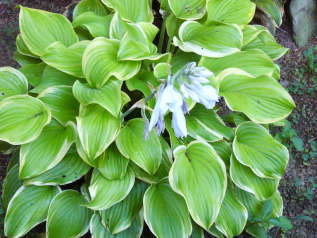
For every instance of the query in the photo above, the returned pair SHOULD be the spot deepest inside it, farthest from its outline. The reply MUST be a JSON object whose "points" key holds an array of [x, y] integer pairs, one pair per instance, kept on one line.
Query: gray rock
{"points": [[304, 18]]}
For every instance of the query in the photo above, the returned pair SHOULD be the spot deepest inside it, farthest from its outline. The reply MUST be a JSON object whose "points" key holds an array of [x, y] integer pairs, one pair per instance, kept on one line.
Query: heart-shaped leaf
{"points": [[22, 119], [94, 6], [131, 141], [40, 28], [97, 129], [66, 210], [108, 96], [204, 39], [28, 208], [105, 193], [100, 62], [262, 99], [52, 144], [254, 147], [199, 175], [165, 212], [12, 82], [230, 11], [188, 9], [61, 102]]}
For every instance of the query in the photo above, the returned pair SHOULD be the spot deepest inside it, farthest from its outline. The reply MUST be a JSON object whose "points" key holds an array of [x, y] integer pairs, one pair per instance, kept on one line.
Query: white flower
{"points": [[169, 99]]}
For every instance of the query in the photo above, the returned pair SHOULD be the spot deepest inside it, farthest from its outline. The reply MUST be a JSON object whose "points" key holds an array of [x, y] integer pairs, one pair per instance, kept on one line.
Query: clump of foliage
{"points": [[125, 115]]}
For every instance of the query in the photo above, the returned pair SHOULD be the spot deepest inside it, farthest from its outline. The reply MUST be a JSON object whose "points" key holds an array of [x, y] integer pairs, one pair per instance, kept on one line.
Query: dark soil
{"points": [[298, 186]]}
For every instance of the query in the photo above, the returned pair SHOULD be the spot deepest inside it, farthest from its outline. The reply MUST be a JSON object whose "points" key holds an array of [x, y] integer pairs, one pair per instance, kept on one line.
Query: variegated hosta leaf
{"points": [[198, 232], [28, 208], [105, 193], [12, 82], [199, 175], [95, 24], [61, 102], [250, 32], [118, 27], [254, 62], [215, 232], [100, 62], [272, 9], [22, 47], [22, 119], [70, 169], [224, 151], [108, 96], [215, 40], [33, 72], [39, 29], [207, 125], [51, 77], [165, 212], [98, 230], [97, 129], [131, 142], [244, 178], [82, 154], [52, 144], [120, 216], [11, 183], [267, 43], [233, 215], [254, 147], [137, 44], [188, 9], [67, 217], [262, 99], [230, 11], [94, 6], [111, 164], [66, 59], [132, 10]]}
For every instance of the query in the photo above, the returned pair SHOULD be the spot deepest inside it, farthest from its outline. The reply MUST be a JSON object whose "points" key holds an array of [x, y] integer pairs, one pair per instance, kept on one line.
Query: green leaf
{"points": [[162, 70], [33, 72], [51, 78], [100, 62], [94, 6], [224, 150], [250, 32], [70, 169], [262, 99], [97, 129], [132, 10], [52, 144], [131, 141], [108, 96], [172, 25], [118, 27], [66, 211], [272, 9], [254, 147], [61, 102], [95, 24], [22, 47], [137, 44], [198, 232], [120, 216], [12, 82], [180, 59], [203, 191], [233, 215], [11, 183], [282, 222], [28, 208], [66, 59], [22, 119], [111, 164], [205, 40], [204, 124], [230, 11], [188, 9], [254, 62], [24, 60], [99, 231], [267, 43], [165, 212], [39, 29], [244, 178], [105, 193], [82, 154]]}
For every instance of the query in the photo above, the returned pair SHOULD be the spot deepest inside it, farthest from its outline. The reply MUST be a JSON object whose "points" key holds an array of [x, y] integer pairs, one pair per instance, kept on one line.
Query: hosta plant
{"points": [[136, 113]]}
